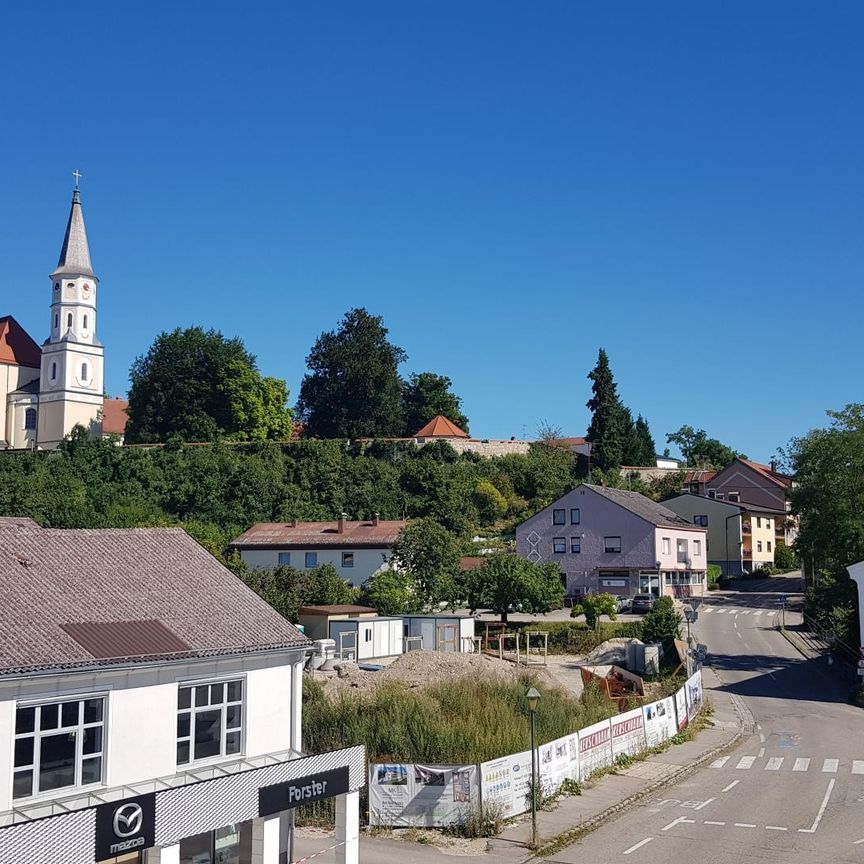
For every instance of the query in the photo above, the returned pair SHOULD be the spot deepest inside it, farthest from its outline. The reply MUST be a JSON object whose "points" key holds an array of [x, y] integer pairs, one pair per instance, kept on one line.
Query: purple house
{"points": [[616, 542]]}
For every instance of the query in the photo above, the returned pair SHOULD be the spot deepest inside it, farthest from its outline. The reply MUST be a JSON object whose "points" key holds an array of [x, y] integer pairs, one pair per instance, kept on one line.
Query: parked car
{"points": [[642, 603], [625, 604]]}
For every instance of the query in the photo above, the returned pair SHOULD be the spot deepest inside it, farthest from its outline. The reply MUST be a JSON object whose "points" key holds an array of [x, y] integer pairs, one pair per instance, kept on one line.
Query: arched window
{"points": [[56, 320], [84, 372], [69, 320], [30, 418], [53, 371], [84, 324]]}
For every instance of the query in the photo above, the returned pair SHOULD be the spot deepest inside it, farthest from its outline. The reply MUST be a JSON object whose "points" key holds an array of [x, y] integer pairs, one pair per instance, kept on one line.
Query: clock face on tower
{"points": [[85, 291]]}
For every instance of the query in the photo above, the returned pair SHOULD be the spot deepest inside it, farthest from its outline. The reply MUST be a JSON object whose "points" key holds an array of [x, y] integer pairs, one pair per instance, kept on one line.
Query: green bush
{"points": [[571, 637], [482, 820], [662, 623], [785, 558]]}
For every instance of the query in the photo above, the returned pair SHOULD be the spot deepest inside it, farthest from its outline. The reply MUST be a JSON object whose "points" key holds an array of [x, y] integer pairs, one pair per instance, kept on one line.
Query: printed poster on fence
{"points": [[660, 724], [507, 783], [681, 707], [694, 694], [421, 796], [595, 748], [559, 761], [628, 733]]}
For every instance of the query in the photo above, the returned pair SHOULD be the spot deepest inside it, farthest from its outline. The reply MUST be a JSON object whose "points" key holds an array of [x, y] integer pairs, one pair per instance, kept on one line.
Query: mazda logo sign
{"points": [[128, 820]]}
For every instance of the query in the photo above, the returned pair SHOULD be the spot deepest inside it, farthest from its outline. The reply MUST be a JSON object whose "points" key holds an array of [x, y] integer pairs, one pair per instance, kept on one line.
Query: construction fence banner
{"points": [[408, 795], [559, 761], [628, 733], [660, 722], [595, 748], [681, 707], [695, 696], [506, 783]]}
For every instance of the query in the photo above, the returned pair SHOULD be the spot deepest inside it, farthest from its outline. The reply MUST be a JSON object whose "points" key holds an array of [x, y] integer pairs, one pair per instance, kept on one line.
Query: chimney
{"points": [[375, 519], [773, 465], [342, 518]]}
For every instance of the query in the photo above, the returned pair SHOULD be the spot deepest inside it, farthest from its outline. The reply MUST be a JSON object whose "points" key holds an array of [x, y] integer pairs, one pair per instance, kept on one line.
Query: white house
{"points": [[357, 550], [150, 707]]}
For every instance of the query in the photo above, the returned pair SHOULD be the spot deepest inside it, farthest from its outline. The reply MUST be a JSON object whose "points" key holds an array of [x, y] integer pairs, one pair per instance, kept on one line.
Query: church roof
{"points": [[115, 416], [16, 346], [440, 427], [29, 387], [75, 254]]}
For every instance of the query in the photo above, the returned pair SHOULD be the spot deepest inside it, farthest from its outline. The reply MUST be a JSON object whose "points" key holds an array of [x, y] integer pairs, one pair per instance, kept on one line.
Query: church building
{"points": [[45, 392]]}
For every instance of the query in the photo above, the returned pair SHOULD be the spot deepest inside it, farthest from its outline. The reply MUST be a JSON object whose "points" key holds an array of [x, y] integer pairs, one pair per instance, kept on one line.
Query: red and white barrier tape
{"points": [[319, 852]]}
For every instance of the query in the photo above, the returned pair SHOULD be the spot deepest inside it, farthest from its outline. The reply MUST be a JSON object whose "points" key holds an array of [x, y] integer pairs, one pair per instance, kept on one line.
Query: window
{"points": [[712, 493], [575, 516], [701, 520], [697, 547], [84, 372], [311, 559], [758, 521], [758, 545], [769, 545], [575, 544], [735, 496], [58, 746], [285, 558], [558, 516], [209, 720], [681, 548], [721, 496], [347, 559], [30, 418], [667, 546], [56, 320], [612, 544], [367, 635], [53, 371], [84, 323], [69, 320], [559, 545]]}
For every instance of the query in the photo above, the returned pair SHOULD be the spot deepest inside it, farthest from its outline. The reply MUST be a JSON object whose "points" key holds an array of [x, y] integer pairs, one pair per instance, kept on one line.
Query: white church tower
{"points": [[71, 383]]}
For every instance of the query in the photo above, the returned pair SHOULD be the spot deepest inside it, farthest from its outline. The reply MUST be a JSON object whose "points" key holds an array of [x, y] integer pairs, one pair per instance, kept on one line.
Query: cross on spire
{"points": [[77, 175]]}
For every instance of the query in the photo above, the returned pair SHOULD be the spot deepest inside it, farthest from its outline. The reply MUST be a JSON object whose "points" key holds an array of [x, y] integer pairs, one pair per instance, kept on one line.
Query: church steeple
{"points": [[75, 254]]}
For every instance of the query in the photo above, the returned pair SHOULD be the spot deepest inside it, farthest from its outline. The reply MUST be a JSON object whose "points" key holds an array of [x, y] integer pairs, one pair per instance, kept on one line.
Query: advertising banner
{"points": [[595, 748], [628, 733], [660, 723], [507, 783], [681, 707], [694, 694], [421, 796], [559, 761]]}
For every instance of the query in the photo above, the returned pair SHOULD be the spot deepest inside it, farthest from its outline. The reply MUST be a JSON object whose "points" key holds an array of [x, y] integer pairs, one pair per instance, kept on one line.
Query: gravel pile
{"points": [[610, 651]]}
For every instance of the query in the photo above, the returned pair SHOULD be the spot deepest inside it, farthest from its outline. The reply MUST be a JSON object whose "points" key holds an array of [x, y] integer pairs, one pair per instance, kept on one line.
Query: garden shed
{"points": [[440, 632], [367, 638]]}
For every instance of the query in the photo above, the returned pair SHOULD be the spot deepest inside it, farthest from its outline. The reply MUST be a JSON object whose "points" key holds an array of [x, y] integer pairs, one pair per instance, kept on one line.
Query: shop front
{"points": [[240, 813]]}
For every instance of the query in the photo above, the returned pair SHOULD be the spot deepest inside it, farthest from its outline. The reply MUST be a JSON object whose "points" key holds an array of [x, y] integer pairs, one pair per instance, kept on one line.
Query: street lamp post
{"points": [[533, 698], [688, 615]]}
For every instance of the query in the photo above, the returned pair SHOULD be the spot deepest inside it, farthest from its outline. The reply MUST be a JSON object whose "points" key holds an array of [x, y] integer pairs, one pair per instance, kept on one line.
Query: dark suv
{"points": [[642, 603]]}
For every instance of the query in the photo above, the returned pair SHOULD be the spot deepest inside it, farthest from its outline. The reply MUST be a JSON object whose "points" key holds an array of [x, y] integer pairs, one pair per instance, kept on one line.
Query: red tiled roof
{"points": [[769, 473], [115, 416], [441, 427], [312, 535], [16, 346], [17, 522], [698, 476], [573, 442], [471, 562]]}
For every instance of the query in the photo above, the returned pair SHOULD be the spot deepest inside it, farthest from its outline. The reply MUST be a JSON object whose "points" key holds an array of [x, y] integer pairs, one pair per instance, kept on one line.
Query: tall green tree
{"points": [[645, 449], [430, 554], [353, 389], [701, 451], [426, 395], [610, 431], [199, 385]]}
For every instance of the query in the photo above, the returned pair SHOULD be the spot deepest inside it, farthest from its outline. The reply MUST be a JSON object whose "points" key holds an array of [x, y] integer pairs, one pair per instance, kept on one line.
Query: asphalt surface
{"points": [[791, 791]]}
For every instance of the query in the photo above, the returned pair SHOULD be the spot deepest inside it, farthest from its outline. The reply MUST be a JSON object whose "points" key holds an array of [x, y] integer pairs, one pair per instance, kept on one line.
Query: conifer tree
{"points": [[646, 450], [610, 425]]}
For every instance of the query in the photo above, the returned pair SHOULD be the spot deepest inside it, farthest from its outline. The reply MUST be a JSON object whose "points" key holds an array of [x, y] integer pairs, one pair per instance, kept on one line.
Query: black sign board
{"points": [[125, 826], [303, 790]]}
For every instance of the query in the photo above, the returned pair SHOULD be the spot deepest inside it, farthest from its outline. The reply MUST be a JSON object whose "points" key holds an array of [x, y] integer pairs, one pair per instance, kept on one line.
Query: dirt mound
{"points": [[611, 651], [419, 668]]}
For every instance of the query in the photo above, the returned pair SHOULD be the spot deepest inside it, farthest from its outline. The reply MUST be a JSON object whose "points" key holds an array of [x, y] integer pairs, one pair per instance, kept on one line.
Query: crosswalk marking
{"points": [[757, 612], [801, 765], [719, 763], [746, 762], [774, 763], [858, 766], [829, 766], [719, 611], [745, 611]]}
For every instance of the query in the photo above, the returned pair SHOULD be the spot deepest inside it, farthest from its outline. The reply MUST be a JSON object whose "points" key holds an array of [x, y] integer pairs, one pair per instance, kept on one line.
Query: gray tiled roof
{"points": [[643, 507], [75, 254], [53, 577]]}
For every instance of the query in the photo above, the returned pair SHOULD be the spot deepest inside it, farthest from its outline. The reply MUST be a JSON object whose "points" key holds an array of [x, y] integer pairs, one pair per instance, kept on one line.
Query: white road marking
{"points": [[829, 766], [704, 803], [774, 763], [731, 785], [678, 821], [744, 825], [858, 766], [761, 737], [758, 612], [719, 763], [821, 813], [639, 845], [801, 765], [746, 762], [761, 752], [706, 822], [858, 841], [720, 611], [775, 828], [736, 623], [745, 611], [739, 635]]}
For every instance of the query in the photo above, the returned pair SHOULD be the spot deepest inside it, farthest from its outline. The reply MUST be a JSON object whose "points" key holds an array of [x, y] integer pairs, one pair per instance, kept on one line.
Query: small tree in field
{"points": [[662, 623], [592, 606]]}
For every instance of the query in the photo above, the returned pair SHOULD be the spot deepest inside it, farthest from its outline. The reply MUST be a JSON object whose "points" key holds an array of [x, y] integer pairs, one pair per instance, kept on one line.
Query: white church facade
{"points": [[46, 391]]}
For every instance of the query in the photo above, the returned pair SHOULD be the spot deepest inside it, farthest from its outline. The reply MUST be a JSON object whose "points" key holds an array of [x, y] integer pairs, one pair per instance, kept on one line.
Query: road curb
{"points": [[589, 825]]}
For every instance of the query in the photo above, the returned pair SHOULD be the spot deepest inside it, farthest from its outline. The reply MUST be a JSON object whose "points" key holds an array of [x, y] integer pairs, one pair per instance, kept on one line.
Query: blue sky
{"points": [[511, 185]]}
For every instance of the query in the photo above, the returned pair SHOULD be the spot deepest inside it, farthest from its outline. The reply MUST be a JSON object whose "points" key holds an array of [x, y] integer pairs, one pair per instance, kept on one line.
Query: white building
{"points": [[357, 550], [150, 707]]}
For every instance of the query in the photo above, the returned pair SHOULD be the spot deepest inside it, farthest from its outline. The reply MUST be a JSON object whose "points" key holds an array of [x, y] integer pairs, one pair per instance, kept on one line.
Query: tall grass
{"points": [[574, 637], [459, 721]]}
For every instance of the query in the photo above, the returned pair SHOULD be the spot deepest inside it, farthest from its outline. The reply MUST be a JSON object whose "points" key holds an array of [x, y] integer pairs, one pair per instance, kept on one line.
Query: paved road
{"points": [[792, 791]]}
